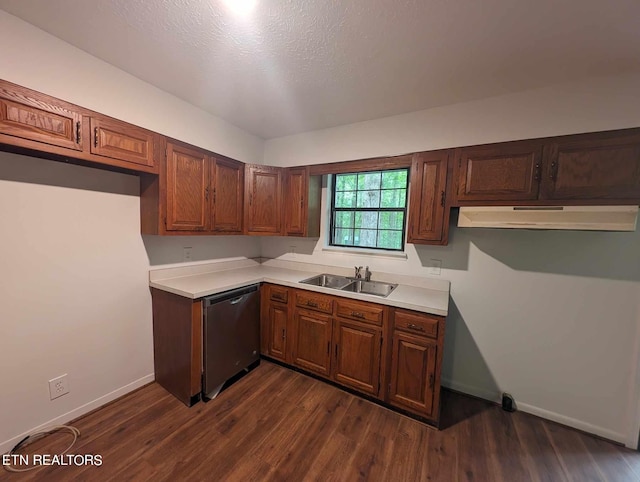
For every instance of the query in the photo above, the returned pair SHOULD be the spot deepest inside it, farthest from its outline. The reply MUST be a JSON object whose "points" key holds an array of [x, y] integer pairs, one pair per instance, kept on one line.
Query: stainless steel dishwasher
{"points": [[231, 336]]}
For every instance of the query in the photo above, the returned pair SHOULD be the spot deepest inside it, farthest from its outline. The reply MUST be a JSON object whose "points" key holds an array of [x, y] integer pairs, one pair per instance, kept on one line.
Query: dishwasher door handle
{"points": [[237, 300]]}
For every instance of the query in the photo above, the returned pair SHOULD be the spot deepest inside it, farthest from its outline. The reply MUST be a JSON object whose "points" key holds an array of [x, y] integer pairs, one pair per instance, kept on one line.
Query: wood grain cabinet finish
{"points": [[119, 140], [602, 166], [302, 195], [227, 179], [499, 172], [263, 195], [413, 371], [428, 216], [312, 342], [187, 189], [357, 352], [28, 115]]}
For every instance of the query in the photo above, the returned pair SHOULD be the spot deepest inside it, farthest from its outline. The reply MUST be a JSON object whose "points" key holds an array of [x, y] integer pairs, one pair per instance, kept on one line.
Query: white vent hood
{"points": [[590, 218]]}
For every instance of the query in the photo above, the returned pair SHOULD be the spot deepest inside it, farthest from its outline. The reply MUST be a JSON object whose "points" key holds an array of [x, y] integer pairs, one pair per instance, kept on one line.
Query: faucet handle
{"points": [[367, 274]]}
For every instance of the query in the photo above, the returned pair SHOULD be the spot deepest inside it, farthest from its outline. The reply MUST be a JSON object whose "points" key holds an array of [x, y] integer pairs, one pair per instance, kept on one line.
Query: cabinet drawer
{"points": [[279, 294], [416, 323], [313, 301], [365, 312]]}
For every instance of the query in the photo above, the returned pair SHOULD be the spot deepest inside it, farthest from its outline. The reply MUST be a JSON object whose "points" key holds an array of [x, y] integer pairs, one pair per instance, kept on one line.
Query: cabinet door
{"points": [[427, 199], [119, 140], [38, 118], [499, 172], [227, 180], [295, 202], [277, 325], [593, 167], [187, 189], [413, 365], [357, 350], [263, 194], [312, 343]]}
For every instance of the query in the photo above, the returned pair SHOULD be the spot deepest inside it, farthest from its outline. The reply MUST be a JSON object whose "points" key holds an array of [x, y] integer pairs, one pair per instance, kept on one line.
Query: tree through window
{"points": [[369, 209]]}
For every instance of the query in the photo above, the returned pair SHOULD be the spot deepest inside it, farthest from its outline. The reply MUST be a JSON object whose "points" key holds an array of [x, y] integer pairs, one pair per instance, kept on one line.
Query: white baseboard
{"points": [[78, 412], [539, 412]]}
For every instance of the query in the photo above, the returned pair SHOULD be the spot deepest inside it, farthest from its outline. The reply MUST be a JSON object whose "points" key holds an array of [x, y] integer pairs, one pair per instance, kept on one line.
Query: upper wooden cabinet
{"points": [[187, 189], [50, 128], [263, 200], [302, 195], [428, 220], [499, 172], [119, 140], [227, 186], [604, 166], [28, 115]]}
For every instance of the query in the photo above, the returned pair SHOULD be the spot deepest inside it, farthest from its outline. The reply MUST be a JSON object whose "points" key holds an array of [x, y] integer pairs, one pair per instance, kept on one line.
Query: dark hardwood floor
{"points": [[276, 424]]}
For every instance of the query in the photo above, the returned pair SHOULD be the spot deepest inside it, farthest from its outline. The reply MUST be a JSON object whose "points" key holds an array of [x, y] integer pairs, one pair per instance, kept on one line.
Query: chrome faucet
{"points": [[367, 274], [358, 274]]}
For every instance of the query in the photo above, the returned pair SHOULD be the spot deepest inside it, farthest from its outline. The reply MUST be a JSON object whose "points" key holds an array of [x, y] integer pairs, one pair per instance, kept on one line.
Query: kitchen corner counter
{"points": [[423, 295]]}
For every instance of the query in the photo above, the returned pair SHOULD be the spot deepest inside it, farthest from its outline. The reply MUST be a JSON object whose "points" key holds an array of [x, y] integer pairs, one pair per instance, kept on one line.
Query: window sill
{"points": [[365, 252]]}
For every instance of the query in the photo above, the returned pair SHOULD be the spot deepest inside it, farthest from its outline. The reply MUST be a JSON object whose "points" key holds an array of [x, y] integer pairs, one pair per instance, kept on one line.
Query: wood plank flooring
{"points": [[276, 424]]}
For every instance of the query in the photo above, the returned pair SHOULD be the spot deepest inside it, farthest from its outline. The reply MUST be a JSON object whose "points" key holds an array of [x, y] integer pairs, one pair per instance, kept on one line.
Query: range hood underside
{"points": [[589, 218]]}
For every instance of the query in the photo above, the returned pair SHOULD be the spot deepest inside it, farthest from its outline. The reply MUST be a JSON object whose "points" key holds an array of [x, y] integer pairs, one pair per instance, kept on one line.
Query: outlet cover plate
{"points": [[58, 386]]}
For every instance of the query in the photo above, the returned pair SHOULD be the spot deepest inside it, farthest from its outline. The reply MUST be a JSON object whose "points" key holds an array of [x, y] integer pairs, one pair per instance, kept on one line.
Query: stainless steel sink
{"points": [[377, 288], [327, 281]]}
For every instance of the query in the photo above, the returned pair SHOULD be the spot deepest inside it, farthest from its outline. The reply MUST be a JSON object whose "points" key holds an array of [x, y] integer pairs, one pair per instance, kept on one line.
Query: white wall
{"points": [[74, 294], [586, 106], [551, 317]]}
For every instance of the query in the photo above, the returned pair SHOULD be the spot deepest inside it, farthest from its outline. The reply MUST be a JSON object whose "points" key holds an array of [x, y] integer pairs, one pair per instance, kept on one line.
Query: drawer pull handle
{"points": [[415, 327], [356, 314], [312, 304], [277, 297]]}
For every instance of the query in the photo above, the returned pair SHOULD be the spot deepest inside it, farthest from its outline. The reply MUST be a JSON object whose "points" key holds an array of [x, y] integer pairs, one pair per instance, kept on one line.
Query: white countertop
{"points": [[199, 285]]}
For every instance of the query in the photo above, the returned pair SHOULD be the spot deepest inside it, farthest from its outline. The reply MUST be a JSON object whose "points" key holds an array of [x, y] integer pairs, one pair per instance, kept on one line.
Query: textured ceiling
{"points": [[296, 65]]}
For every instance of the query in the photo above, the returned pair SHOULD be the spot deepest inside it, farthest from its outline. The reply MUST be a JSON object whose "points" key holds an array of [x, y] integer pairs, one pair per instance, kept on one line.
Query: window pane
{"points": [[368, 199], [395, 198], [367, 220], [365, 237], [343, 236], [345, 199], [394, 179], [346, 182], [391, 220], [390, 239], [343, 219], [369, 180]]}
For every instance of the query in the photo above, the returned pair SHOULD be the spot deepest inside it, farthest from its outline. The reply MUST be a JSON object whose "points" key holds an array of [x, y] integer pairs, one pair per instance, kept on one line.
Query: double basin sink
{"points": [[353, 285]]}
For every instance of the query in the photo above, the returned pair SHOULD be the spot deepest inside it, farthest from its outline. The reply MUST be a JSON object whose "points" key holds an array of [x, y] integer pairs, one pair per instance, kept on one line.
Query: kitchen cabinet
{"points": [[177, 344], [357, 351], [227, 187], [589, 167], [274, 322], [312, 342], [195, 193], [509, 171], [119, 140], [416, 362], [29, 115], [302, 194], [263, 196], [428, 213], [187, 188]]}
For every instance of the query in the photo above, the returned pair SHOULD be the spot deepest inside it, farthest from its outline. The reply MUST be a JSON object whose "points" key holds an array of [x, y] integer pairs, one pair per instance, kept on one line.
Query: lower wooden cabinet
{"points": [[312, 342], [390, 354], [357, 352], [413, 365]]}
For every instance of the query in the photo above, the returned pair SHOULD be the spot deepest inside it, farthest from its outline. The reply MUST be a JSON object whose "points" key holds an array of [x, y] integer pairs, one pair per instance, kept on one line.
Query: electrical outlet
{"points": [[434, 267], [292, 250], [186, 253], [58, 386]]}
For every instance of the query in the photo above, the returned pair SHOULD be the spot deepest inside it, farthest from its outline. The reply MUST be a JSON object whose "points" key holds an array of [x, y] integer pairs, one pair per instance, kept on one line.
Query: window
{"points": [[369, 209]]}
